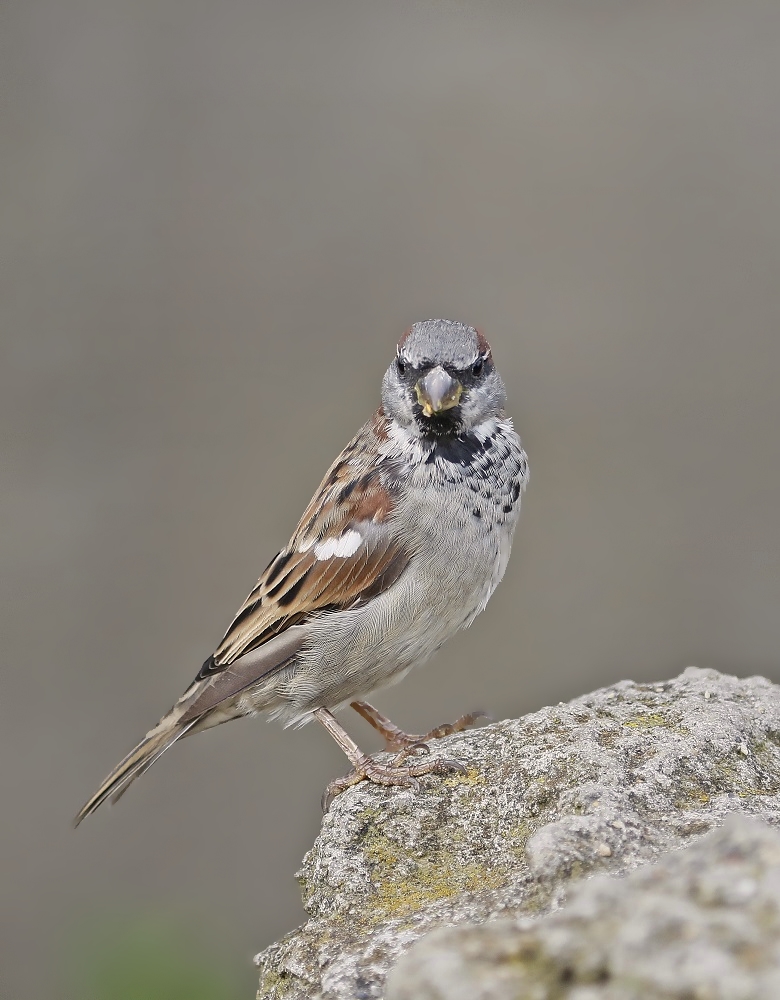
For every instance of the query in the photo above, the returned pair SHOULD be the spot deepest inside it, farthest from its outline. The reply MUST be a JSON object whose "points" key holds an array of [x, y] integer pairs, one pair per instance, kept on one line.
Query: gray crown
{"points": [[442, 341]]}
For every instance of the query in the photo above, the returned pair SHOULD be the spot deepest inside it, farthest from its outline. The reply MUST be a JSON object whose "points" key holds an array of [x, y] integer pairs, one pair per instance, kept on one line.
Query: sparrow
{"points": [[402, 546]]}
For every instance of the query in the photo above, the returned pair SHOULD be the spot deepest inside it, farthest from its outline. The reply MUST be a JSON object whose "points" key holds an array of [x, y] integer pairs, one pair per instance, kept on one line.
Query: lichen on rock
{"points": [[701, 922], [605, 783]]}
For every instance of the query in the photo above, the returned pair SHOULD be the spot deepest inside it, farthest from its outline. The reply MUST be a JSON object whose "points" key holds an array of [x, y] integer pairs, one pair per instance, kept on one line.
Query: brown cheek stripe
{"points": [[404, 338]]}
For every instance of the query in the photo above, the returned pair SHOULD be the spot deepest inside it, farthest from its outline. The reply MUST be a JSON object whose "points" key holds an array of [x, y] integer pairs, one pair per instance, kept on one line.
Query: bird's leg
{"points": [[366, 768], [397, 739]]}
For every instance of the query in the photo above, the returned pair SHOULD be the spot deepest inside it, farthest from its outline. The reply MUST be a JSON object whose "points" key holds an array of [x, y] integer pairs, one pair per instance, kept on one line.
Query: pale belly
{"points": [[356, 652], [460, 528]]}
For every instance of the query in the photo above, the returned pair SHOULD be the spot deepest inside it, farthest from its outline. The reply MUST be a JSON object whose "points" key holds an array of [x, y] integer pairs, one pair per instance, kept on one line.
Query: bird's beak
{"points": [[437, 391]]}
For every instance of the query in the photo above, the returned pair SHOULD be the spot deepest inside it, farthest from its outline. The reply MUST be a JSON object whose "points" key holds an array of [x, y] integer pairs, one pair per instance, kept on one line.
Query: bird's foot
{"points": [[397, 739], [396, 772]]}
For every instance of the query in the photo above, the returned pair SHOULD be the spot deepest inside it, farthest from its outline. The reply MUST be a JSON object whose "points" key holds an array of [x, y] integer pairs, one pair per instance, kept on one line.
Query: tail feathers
{"points": [[152, 746]]}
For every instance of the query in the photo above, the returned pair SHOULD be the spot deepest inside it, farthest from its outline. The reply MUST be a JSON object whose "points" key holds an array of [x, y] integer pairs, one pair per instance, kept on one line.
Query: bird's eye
{"points": [[401, 364], [476, 368]]}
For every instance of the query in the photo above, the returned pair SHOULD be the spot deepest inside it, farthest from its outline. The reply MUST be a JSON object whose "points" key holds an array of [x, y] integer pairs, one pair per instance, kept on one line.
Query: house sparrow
{"points": [[403, 544]]}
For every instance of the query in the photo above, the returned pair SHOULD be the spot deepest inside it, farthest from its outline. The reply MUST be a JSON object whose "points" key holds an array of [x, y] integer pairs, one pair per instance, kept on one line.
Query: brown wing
{"points": [[343, 552]]}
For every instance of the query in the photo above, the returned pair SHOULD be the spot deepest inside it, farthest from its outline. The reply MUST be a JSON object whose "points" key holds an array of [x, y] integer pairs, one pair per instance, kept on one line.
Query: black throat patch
{"points": [[439, 426], [464, 450]]}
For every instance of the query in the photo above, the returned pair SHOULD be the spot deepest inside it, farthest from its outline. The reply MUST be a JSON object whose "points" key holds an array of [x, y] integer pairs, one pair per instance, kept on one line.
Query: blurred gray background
{"points": [[216, 220]]}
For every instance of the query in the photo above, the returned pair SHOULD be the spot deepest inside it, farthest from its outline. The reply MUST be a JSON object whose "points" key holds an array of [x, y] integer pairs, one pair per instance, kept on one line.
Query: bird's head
{"points": [[443, 382]]}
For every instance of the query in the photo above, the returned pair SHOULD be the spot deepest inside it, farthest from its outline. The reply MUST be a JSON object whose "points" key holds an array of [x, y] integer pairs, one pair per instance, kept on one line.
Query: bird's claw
{"points": [[394, 773], [399, 740]]}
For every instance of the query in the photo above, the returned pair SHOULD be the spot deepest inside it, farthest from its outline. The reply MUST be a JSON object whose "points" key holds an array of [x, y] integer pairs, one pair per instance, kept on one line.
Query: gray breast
{"points": [[463, 503], [456, 513]]}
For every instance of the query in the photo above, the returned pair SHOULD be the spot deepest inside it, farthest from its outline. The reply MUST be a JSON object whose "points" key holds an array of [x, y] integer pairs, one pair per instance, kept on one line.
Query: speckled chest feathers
{"points": [[450, 504]]}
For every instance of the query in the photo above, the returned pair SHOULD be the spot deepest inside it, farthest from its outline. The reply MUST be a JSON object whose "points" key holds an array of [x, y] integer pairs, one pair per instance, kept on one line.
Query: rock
{"points": [[602, 784], [703, 922]]}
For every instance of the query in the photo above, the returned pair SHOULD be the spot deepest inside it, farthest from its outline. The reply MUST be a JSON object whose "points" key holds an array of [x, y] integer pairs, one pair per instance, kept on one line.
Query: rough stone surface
{"points": [[604, 783], [702, 923]]}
